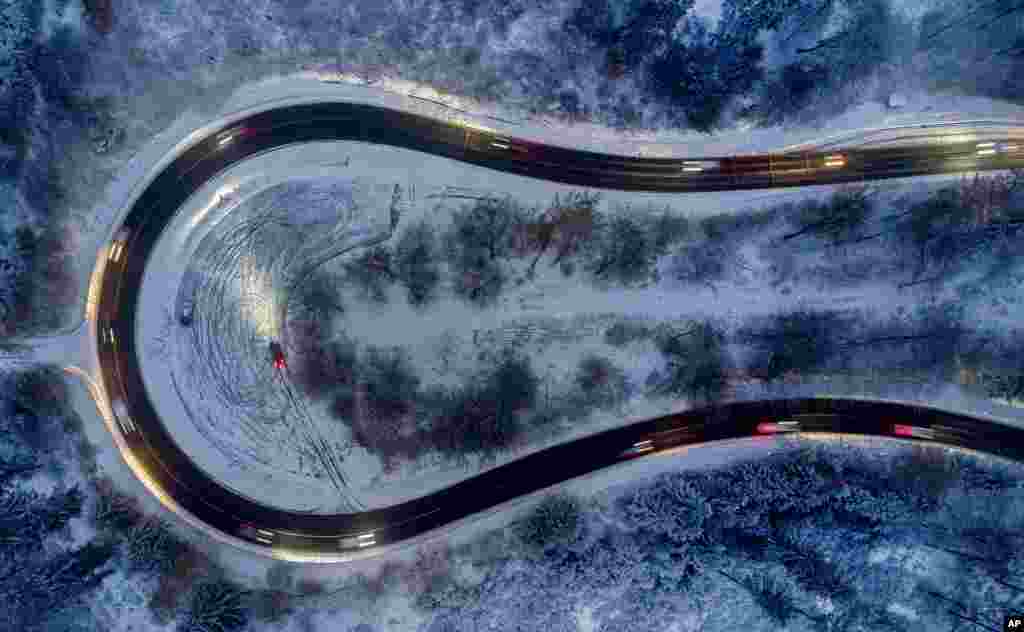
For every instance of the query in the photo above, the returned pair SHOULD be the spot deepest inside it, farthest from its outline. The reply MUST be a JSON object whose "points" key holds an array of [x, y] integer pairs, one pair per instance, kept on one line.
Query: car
{"points": [[697, 166], [118, 245], [187, 311], [277, 355], [120, 410], [990, 148]]}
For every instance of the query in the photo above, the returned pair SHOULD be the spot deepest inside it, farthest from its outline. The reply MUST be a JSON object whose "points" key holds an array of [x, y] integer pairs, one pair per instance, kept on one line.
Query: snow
{"points": [[121, 604], [709, 10], [904, 611], [103, 195], [552, 301], [263, 174]]}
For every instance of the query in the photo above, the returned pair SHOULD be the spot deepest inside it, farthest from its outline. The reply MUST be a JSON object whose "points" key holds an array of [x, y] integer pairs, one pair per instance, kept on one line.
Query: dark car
{"points": [[187, 310], [277, 355]]}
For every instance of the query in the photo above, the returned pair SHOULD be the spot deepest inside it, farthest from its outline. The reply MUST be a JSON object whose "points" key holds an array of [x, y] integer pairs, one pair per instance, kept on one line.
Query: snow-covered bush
{"points": [[390, 383], [555, 521], [485, 415], [668, 228], [318, 298], [40, 578], [671, 506], [484, 228], [113, 510], [323, 367], [797, 340], [702, 72], [33, 275], [599, 383], [623, 253], [151, 547], [26, 517], [416, 262], [695, 362], [625, 332], [1004, 371], [704, 262], [37, 589], [19, 27], [371, 273], [479, 237], [838, 219], [215, 606]]}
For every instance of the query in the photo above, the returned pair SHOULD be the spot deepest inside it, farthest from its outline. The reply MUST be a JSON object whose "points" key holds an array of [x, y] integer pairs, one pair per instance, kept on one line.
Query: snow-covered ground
{"points": [[555, 319]]}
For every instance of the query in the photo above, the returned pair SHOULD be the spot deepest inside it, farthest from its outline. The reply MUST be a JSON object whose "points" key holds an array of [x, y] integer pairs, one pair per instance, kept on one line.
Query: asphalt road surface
{"points": [[311, 536]]}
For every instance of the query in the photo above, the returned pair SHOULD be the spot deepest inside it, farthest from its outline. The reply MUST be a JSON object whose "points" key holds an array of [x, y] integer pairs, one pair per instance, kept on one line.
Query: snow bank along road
{"points": [[154, 456]]}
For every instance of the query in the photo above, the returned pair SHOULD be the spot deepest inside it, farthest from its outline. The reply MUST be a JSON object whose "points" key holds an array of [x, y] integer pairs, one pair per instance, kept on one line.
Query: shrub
{"points": [[695, 362], [624, 253], [666, 229], [483, 229], [483, 417], [706, 262], [632, 29], [556, 521], [372, 273], [574, 219], [479, 236], [44, 587], [470, 425], [625, 332], [280, 576], [391, 384], [19, 25], [594, 20], [343, 406], [600, 383], [798, 340], [321, 371], [310, 587], [416, 262], [189, 566], [865, 37], [114, 510], [775, 596], [791, 90], [151, 547], [319, 298], [702, 73], [671, 506], [273, 606], [513, 383], [59, 65], [216, 606], [838, 219], [26, 518]]}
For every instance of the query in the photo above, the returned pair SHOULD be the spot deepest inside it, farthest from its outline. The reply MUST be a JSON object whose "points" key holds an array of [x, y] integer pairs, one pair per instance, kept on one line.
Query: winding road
{"points": [[153, 454]]}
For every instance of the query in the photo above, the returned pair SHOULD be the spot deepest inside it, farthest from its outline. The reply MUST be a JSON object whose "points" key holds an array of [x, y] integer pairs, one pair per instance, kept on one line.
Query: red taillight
{"points": [[766, 427], [902, 430]]}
